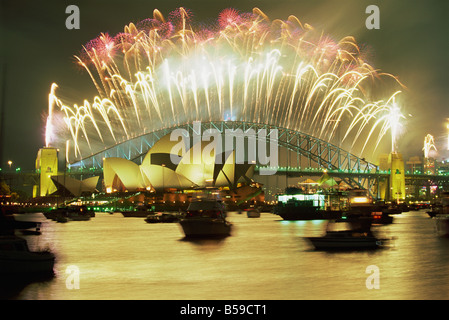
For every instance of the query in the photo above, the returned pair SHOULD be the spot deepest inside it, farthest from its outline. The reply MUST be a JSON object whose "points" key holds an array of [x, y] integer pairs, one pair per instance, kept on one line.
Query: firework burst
{"points": [[166, 72], [429, 144]]}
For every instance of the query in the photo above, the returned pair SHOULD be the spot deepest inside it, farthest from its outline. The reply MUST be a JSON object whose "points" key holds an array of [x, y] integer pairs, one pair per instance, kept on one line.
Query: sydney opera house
{"points": [[164, 174], [162, 169]]}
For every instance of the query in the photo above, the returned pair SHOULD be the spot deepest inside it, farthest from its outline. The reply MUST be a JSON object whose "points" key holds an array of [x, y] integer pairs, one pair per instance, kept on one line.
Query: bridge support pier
{"points": [[47, 166], [397, 177]]}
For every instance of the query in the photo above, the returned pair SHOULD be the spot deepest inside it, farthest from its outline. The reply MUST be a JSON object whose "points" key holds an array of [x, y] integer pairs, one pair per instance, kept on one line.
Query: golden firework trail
{"points": [[429, 144]]}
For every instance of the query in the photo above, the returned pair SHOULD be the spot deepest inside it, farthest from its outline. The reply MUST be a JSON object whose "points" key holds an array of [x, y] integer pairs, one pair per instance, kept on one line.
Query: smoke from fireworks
{"points": [[447, 126], [166, 72]]}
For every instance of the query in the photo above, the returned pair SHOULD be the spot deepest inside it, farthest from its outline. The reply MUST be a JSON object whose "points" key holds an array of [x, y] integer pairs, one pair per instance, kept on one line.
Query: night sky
{"points": [[37, 50]]}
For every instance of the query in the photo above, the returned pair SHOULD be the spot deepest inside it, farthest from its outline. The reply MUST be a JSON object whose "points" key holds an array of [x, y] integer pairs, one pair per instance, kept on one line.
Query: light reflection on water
{"points": [[264, 258]]}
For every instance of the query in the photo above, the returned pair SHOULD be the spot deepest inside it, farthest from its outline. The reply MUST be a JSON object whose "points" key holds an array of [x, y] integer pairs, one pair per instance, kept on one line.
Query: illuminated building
{"points": [[68, 186], [158, 172], [415, 165], [429, 166]]}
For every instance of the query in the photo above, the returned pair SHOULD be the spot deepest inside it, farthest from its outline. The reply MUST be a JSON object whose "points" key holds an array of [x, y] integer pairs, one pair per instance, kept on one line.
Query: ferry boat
{"points": [[297, 204], [205, 217]]}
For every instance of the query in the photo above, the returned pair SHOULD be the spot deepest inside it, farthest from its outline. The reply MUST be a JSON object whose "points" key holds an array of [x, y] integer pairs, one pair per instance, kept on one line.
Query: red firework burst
{"points": [[166, 30], [148, 24], [104, 47], [180, 17], [228, 17], [124, 41]]}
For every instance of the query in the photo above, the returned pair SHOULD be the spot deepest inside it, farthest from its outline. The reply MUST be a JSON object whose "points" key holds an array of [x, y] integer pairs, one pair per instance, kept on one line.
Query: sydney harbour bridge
{"points": [[299, 156], [298, 153]]}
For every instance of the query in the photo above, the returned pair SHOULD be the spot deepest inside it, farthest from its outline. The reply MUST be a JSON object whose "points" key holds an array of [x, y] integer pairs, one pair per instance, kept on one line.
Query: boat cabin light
{"points": [[360, 200]]}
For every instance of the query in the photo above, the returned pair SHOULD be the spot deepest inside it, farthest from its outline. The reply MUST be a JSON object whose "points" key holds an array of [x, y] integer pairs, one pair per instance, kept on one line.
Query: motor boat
{"points": [[434, 211], [441, 207], [17, 259], [380, 217], [205, 218], [252, 212], [352, 236], [60, 218], [164, 217]]}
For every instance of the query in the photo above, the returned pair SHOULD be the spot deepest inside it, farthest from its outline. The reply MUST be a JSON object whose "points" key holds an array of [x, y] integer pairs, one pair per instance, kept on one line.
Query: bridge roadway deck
{"points": [[30, 177]]}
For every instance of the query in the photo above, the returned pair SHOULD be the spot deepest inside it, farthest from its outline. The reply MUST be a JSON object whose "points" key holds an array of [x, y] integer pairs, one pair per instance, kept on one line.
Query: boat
{"points": [[441, 207], [360, 200], [205, 218], [72, 212], [28, 232], [54, 213], [17, 259], [420, 205], [434, 211], [61, 218], [79, 217], [351, 237], [361, 205], [80, 213], [381, 217], [164, 217], [392, 209], [8, 224], [297, 204], [252, 212], [137, 212], [35, 232]]}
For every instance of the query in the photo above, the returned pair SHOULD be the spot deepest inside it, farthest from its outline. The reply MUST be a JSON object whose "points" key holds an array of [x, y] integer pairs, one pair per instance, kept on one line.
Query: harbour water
{"points": [[266, 258]]}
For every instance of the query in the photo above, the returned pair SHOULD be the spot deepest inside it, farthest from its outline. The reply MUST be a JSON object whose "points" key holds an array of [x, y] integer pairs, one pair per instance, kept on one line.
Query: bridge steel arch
{"points": [[303, 152]]}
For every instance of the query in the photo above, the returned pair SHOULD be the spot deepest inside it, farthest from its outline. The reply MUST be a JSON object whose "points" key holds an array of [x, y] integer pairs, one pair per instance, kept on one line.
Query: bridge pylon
{"points": [[46, 166], [392, 188], [397, 177]]}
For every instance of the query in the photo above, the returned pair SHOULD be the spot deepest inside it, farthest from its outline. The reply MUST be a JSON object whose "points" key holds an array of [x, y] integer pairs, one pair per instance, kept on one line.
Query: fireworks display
{"points": [[429, 144], [162, 72]]}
